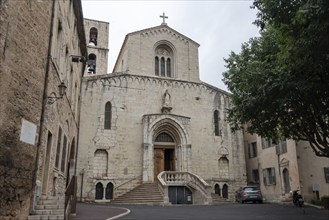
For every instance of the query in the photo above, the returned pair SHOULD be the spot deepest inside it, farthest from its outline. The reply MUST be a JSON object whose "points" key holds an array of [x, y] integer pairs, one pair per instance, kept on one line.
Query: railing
{"points": [[173, 178], [70, 197]]}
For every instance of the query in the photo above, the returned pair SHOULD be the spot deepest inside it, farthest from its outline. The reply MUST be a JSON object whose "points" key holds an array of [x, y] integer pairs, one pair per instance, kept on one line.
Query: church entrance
{"points": [[164, 159], [164, 154]]}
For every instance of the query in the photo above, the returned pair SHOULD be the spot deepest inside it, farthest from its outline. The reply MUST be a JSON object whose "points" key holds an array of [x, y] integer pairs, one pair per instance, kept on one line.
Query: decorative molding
{"points": [[122, 80], [161, 30]]}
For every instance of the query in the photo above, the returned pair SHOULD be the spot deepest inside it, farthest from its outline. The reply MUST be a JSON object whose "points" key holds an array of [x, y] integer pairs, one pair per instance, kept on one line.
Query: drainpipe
{"points": [[43, 106]]}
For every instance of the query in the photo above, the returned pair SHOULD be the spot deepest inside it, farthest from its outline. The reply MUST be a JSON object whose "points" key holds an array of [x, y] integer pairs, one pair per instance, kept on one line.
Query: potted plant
{"points": [[325, 201]]}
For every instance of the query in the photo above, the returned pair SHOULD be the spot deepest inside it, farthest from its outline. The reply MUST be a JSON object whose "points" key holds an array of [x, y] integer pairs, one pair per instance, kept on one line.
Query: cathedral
{"points": [[70, 131], [152, 120]]}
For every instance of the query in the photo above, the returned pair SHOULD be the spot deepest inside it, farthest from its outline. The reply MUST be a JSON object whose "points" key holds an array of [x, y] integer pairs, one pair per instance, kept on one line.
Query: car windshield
{"points": [[250, 189]]}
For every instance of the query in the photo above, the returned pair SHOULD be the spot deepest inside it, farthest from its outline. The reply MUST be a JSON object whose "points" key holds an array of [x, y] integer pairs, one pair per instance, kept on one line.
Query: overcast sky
{"points": [[219, 26]]}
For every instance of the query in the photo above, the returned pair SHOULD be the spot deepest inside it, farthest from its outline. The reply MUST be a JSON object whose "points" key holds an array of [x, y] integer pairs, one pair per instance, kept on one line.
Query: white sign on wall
{"points": [[28, 132]]}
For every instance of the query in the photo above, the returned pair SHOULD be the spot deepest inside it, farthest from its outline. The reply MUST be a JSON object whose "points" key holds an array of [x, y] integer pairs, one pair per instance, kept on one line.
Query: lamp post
{"points": [[62, 88]]}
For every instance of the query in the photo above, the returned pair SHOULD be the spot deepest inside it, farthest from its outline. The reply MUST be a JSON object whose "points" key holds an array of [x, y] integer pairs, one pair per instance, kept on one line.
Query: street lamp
{"points": [[62, 87]]}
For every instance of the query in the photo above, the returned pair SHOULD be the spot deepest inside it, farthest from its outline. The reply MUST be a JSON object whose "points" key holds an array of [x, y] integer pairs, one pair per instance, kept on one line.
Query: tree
{"points": [[280, 80]]}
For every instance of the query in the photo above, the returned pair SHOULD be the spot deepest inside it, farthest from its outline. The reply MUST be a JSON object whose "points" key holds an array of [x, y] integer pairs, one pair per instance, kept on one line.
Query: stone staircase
{"points": [[48, 208], [147, 193], [216, 199]]}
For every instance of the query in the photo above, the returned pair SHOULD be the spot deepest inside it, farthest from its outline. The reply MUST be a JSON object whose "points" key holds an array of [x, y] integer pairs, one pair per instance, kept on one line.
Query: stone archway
{"points": [[178, 152]]}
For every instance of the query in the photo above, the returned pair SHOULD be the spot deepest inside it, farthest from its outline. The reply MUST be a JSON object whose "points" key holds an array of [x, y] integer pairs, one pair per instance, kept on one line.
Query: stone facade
{"points": [[313, 172], [281, 167], [37, 39], [144, 107]]}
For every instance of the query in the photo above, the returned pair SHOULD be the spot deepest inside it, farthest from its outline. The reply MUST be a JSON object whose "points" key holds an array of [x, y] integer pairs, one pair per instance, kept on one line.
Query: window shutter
{"points": [[249, 149], [273, 175], [264, 177]]}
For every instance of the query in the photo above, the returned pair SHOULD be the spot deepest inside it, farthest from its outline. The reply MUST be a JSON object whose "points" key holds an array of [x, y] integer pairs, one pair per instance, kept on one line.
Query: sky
{"points": [[219, 26]]}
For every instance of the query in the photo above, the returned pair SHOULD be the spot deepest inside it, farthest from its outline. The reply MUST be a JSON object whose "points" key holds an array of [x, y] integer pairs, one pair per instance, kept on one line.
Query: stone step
{"points": [[50, 202], [217, 199], [49, 212], [49, 207], [45, 217], [50, 198], [148, 193]]}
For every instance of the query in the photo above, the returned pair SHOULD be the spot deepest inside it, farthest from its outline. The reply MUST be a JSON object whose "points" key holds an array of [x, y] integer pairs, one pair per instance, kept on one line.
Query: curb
{"points": [[120, 215], [315, 206]]}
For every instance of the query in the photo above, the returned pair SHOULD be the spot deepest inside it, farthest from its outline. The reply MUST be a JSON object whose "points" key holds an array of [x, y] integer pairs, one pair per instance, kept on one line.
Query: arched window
{"points": [[163, 61], [99, 191], [93, 36], [216, 122], [109, 191], [168, 68], [107, 115], [217, 189], [156, 65], [91, 63], [225, 191], [162, 66]]}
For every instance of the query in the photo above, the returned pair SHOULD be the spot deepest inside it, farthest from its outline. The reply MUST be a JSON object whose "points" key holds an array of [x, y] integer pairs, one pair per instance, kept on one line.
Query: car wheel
{"points": [[261, 201]]}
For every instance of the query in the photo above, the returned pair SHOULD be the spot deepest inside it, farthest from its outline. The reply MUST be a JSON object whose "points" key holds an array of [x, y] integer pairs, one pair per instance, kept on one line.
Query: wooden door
{"points": [[158, 161]]}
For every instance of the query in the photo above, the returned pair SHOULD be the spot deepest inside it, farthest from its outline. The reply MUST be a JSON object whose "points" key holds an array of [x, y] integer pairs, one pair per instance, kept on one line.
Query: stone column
{"points": [[189, 157], [148, 166], [146, 149]]}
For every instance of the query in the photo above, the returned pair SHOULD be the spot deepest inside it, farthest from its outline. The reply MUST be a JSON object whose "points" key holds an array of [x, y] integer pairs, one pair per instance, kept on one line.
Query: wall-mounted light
{"points": [[62, 87], [77, 59]]}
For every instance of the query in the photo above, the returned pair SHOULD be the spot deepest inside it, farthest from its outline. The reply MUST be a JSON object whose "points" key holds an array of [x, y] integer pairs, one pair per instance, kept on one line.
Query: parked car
{"points": [[249, 194]]}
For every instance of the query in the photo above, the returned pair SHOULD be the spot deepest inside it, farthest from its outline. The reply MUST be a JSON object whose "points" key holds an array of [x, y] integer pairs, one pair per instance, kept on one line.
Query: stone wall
{"points": [[29, 125], [24, 30]]}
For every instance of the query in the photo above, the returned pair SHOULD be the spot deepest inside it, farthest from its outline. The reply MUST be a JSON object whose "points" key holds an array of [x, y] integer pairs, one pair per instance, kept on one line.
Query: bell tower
{"points": [[97, 34]]}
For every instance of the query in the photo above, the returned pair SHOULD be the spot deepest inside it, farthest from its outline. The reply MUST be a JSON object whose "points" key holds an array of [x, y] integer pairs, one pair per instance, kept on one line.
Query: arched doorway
{"points": [[177, 152], [164, 153], [109, 191], [225, 191], [217, 189], [99, 191], [286, 181]]}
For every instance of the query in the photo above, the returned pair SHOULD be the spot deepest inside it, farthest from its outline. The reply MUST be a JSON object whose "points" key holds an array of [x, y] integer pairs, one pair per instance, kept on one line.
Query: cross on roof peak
{"points": [[163, 16]]}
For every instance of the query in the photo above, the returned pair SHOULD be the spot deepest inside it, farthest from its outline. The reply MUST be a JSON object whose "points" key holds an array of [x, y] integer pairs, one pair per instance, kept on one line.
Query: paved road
{"points": [[227, 212]]}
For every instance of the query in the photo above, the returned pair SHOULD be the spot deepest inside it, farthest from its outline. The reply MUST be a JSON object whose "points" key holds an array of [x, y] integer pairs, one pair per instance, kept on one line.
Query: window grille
{"points": [[164, 137]]}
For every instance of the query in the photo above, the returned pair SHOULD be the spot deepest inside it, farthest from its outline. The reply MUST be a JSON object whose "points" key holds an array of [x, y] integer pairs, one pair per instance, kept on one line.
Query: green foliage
{"points": [[280, 80], [316, 202]]}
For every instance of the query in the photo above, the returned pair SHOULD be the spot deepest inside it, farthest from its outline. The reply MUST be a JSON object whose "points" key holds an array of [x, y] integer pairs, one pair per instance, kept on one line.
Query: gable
{"points": [[139, 50]]}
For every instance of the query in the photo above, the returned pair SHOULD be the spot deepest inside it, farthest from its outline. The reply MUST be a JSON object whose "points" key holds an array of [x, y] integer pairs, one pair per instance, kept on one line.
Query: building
{"points": [[40, 90], [151, 117], [153, 114], [282, 166]]}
